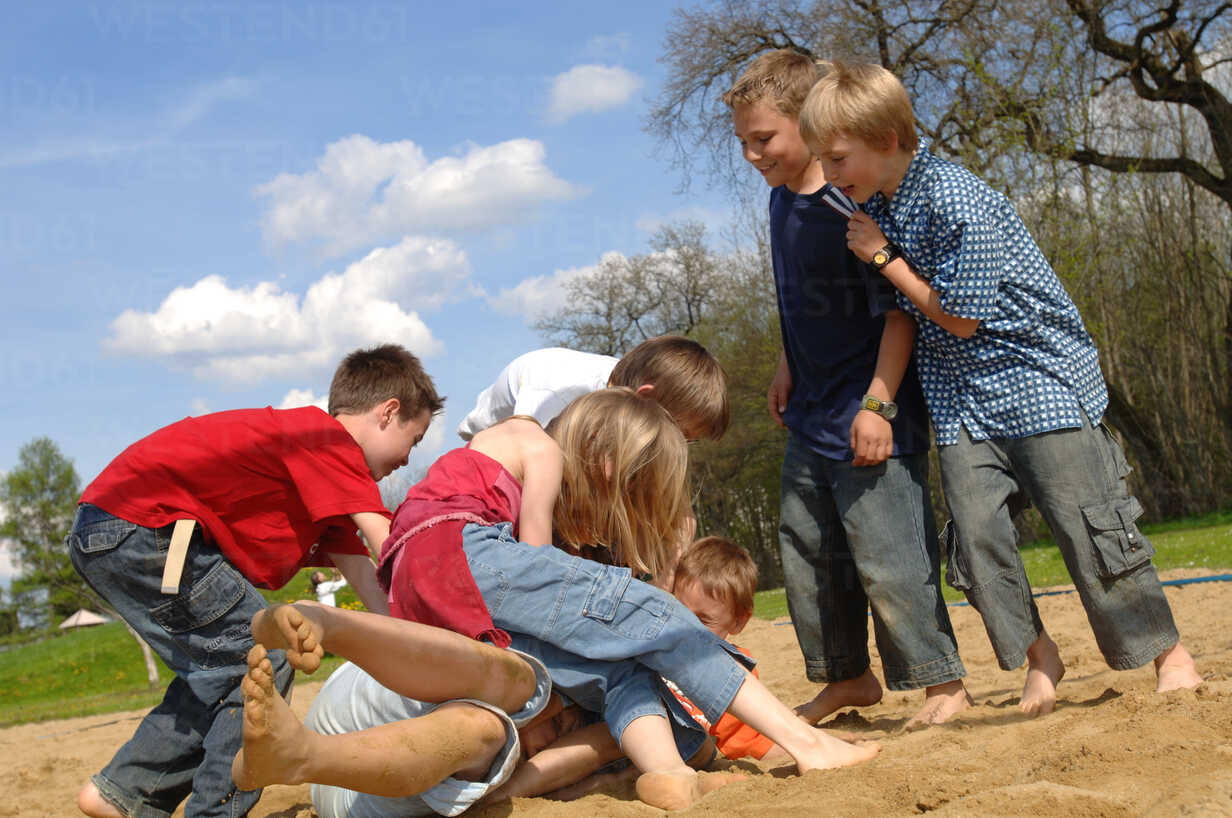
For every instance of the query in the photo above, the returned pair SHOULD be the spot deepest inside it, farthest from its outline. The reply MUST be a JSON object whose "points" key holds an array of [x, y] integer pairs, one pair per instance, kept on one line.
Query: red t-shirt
{"points": [[271, 487]]}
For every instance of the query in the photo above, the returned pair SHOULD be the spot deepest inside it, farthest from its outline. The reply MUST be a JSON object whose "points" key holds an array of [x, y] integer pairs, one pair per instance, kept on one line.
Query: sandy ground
{"points": [[1112, 748]]}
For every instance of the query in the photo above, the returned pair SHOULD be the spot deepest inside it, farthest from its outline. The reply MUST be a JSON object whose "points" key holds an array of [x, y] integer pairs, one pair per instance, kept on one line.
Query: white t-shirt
{"points": [[327, 589], [540, 384]]}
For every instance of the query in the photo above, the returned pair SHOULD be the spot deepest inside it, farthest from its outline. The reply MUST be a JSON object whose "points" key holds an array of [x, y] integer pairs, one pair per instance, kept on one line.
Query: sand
{"points": [[1112, 748]]}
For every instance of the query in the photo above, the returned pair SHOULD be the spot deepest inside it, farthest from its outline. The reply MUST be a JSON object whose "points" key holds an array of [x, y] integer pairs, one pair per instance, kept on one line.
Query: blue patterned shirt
{"points": [[1030, 367]]}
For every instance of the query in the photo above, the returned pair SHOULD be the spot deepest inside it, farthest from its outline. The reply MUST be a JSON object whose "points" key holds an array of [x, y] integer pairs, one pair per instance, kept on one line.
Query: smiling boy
{"points": [[1013, 384], [856, 529]]}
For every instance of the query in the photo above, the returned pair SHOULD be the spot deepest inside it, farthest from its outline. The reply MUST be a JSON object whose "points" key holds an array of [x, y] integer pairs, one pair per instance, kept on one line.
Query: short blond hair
{"points": [[688, 382], [862, 100], [780, 78], [623, 485], [722, 570]]}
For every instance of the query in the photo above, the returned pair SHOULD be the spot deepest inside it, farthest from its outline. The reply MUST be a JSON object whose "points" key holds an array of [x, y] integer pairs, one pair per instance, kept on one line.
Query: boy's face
{"points": [[715, 614], [389, 446], [771, 142], [857, 168]]}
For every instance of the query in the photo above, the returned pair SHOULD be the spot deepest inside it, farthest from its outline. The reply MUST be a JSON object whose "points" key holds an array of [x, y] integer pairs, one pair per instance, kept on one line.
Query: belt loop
{"points": [[178, 550]]}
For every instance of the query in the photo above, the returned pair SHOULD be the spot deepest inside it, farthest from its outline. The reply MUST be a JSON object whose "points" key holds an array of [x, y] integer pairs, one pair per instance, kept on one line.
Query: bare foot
{"points": [[679, 788], [862, 691], [828, 752], [1044, 671], [92, 803], [941, 703], [1175, 670], [297, 629], [275, 742]]}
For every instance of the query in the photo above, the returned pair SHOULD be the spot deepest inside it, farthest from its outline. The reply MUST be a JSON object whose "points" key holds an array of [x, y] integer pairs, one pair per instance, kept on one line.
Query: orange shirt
{"points": [[734, 738]]}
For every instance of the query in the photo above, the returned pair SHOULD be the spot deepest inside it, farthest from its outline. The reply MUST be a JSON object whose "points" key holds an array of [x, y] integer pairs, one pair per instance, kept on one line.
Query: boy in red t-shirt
{"points": [[180, 527], [716, 579]]}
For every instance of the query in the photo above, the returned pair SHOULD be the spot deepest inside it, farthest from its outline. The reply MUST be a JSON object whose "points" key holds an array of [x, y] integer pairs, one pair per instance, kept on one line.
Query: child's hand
{"points": [[864, 237], [779, 391], [872, 439]]}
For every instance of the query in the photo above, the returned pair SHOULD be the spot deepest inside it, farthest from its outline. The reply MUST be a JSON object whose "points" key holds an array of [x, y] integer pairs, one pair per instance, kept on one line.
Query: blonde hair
{"points": [[862, 100], [722, 570], [781, 78], [623, 484], [688, 382]]}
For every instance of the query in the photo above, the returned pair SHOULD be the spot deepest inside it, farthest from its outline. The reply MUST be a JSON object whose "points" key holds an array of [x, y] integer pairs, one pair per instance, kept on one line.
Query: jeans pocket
{"points": [[956, 574], [1120, 464], [197, 617], [95, 531], [609, 602], [1119, 545]]}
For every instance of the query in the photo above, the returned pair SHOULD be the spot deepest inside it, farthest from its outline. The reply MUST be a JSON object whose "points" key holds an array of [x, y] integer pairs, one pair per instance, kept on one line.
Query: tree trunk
{"points": [[151, 667]]}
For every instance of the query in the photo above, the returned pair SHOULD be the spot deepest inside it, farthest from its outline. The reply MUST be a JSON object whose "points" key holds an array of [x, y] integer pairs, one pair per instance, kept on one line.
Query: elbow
{"points": [[965, 329]]}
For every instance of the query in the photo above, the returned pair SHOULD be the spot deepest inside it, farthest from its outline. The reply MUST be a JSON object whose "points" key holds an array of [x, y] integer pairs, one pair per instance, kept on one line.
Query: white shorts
{"points": [[352, 700]]}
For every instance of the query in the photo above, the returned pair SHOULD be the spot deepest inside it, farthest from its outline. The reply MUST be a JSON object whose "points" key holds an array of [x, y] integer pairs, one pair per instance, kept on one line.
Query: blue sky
{"points": [[207, 204]]}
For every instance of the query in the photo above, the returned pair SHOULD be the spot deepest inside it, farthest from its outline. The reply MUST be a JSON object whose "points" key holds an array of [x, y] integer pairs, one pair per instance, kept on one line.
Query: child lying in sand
{"points": [[450, 715]]}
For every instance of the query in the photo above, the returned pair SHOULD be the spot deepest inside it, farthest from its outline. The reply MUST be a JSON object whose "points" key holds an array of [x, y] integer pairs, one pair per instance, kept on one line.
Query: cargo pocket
{"points": [[956, 573], [197, 617], [608, 602], [1119, 546]]}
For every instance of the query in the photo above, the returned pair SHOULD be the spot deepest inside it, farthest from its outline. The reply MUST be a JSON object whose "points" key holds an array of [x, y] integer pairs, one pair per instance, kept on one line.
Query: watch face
{"points": [[880, 257]]}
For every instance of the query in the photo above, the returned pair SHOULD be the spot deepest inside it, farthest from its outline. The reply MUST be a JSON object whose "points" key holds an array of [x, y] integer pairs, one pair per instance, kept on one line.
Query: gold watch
{"points": [[887, 409], [885, 255]]}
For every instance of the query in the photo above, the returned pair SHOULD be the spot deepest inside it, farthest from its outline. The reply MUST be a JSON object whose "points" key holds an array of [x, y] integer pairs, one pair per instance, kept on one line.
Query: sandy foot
{"points": [[1044, 672], [862, 691], [941, 703], [679, 789], [275, 749], [293, 628], [1175, 670]]}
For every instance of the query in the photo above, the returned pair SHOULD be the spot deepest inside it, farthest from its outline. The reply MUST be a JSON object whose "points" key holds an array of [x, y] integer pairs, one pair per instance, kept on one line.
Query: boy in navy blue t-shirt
{"points": [[856, 525]]}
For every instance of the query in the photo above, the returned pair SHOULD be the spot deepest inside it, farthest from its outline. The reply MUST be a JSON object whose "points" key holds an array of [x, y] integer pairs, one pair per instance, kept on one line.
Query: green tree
{"points": [[39, 497]]}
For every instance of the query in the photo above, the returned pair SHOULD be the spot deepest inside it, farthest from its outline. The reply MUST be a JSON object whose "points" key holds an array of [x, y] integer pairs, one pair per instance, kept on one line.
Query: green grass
{"points": [[100, 669], [1203, 543]]}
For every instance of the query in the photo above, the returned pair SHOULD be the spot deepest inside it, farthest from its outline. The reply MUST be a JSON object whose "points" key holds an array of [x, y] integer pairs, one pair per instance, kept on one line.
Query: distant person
{"points": [[180, 530], [677, 372], [326, 587], [856, 529], [1013, 383]]}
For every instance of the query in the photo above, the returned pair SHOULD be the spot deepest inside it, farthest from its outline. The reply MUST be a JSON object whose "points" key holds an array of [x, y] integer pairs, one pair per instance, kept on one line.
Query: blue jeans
{"points": [[1076, 478], [185, 745], [590, 612], [859, 537]]}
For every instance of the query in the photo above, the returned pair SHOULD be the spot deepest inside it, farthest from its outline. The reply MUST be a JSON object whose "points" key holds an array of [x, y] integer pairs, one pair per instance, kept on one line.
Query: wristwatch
{"points": [[885, 255], [887, 409]]}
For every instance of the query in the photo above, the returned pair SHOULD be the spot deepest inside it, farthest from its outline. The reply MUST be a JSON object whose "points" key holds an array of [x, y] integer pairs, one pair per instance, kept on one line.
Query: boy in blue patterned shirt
{"points": [[1013, 384]]}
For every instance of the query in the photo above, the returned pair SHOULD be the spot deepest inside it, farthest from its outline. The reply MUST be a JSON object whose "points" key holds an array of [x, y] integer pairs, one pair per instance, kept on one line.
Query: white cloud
{"points": [[532, 298], [296, 398], [363, 191], [590, 89], [713, 220], [244, 334]]}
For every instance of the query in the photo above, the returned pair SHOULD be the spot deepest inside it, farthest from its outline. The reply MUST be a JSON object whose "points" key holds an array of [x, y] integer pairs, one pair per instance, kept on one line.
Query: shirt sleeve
{"points": [[968, 257]]}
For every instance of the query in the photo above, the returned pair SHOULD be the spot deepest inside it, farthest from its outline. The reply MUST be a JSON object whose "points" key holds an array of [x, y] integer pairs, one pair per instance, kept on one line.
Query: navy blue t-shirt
{"points": [[832, 310]]}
